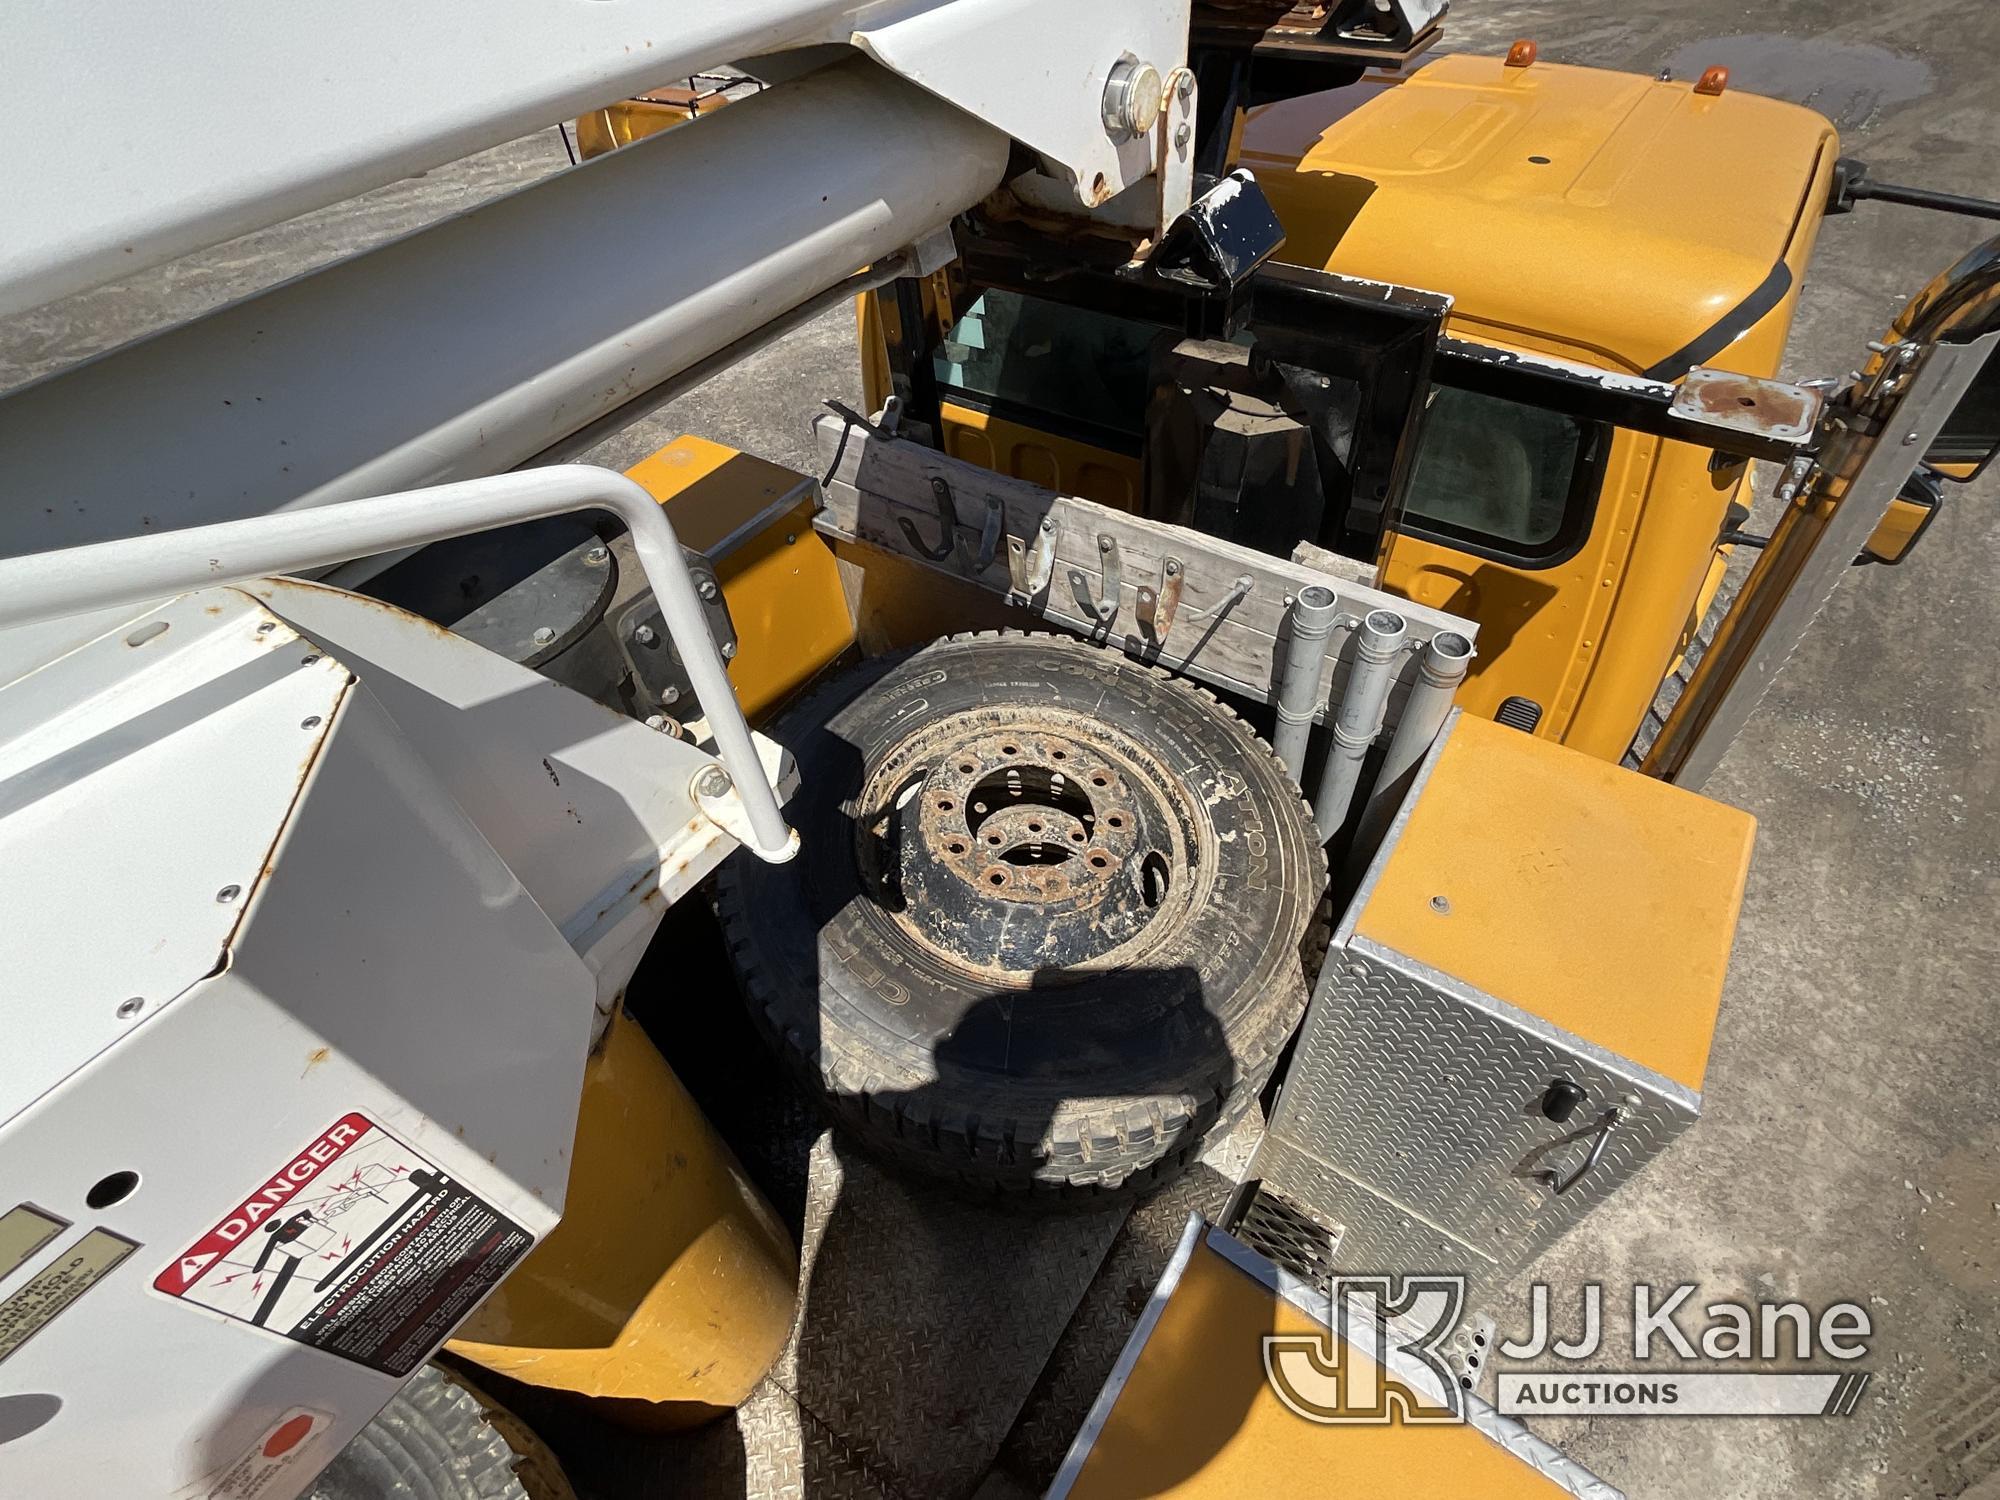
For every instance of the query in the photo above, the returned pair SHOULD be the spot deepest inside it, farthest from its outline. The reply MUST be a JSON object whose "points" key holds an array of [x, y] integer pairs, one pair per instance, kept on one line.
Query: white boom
{"points": [[314, 908]]}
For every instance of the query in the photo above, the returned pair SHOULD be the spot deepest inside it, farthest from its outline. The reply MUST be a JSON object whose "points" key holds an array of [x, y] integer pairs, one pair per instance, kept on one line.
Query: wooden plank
{"points": [[1220, 634]]}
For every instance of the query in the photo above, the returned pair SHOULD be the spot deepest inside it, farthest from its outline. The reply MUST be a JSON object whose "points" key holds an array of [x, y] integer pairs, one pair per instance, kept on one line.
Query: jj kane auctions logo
{"points": [[1392, 1350]]}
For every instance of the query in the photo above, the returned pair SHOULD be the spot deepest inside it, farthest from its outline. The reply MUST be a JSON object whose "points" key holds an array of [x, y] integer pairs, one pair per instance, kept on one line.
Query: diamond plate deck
{"points": [[924, 1323]]}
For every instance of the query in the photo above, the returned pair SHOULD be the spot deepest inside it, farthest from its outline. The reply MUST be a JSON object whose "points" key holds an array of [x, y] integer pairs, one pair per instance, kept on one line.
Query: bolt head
{"points": [[543, 635], [597, 557], [669, 694], [707, 589], [1182, 136], [713, 781], [645, 635], [729, 650]]}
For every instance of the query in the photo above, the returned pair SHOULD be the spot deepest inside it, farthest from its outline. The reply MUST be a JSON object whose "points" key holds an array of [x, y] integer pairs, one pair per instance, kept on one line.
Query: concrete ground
{"points": [[1850, 1146]]}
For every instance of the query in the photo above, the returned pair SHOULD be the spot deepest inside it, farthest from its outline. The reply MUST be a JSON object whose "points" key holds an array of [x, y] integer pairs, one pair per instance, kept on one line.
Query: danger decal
{"points": [[357, 1245]]}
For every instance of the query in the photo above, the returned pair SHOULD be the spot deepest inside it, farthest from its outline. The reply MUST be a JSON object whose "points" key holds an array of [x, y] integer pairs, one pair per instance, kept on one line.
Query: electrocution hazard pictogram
{"points": [[357, 1245]]}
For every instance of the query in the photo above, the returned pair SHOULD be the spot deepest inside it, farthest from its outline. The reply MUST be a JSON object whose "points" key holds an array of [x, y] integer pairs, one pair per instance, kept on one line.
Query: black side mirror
{"points": [[1966, 443]]}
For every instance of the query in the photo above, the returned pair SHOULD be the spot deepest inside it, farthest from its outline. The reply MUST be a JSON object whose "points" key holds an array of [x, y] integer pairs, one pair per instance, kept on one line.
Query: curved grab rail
{"points": [[133, 570]]}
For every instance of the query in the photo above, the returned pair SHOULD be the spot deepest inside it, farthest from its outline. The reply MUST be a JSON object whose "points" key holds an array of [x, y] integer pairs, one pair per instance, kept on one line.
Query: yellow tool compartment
{"points": [[1515, 1014], [1193, 1409]]}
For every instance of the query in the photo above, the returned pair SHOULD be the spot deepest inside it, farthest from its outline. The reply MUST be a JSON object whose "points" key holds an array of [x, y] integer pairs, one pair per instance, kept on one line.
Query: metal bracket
{"points": [[947, 522], [989, 534], [1224, 235], [948, 539], [1029, 567], [1105, 608], [645, 645], [717, 799], [1157, 607], [1174, 164]]}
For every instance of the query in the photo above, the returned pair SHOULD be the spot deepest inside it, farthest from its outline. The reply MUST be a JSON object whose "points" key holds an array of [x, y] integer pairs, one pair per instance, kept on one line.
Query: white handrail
{"points": [[158, 565]]}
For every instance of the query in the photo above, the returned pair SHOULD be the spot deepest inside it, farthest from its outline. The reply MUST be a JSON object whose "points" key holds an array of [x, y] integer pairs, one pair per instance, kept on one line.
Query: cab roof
{"points": [[1614, 213]]}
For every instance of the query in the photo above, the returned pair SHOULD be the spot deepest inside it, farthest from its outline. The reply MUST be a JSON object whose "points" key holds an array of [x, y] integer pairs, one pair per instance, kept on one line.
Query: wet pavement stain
{"points": [[1851, 83]]}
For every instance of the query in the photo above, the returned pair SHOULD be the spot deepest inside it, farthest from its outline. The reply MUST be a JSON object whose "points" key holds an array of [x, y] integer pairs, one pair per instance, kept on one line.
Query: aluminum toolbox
{"points": [[1513, 1019]]}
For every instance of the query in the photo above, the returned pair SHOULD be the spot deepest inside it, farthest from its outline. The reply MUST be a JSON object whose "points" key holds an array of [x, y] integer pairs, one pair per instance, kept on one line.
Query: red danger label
{"points": [[358, 1245], [283, 1187]]}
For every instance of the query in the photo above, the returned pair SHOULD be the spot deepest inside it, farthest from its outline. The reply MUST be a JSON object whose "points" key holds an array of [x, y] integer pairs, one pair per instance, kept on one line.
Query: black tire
{"points": [[439, 1439], [1080, 1080]]}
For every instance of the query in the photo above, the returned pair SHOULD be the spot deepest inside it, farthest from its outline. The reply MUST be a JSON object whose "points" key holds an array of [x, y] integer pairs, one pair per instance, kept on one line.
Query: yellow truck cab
{"points": [[1567, 211]]}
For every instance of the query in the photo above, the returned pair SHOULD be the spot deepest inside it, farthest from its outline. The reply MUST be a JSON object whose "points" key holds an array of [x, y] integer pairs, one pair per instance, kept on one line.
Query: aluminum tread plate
{"points": [[1103, 1321], [1409, 1121]]}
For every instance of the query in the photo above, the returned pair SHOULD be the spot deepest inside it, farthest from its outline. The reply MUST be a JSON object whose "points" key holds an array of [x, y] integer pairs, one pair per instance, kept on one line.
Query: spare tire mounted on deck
{"points": [[1046, 928]]}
